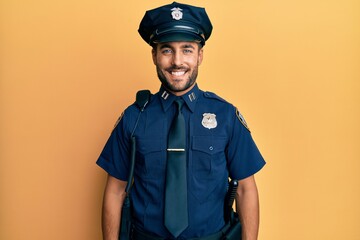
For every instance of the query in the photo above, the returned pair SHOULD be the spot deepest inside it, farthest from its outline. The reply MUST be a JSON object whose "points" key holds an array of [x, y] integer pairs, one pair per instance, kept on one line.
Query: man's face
{"points": [[177, 65]]}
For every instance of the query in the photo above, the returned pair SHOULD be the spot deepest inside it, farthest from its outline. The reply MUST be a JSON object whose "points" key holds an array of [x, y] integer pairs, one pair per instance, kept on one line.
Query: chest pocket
{"points": [[208, 165], [150, 157]]}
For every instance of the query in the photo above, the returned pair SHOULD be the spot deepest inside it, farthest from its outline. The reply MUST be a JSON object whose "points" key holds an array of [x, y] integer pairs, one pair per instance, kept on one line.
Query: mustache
{"points": [[172, 68]]}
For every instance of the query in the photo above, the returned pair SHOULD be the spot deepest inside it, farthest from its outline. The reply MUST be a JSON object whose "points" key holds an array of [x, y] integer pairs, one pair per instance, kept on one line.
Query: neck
{"points": [[180, 93]]}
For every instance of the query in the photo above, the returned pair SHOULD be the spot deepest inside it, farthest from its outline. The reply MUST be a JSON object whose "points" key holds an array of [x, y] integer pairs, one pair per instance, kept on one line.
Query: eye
{"points": [[188, 51], [166, 51]]}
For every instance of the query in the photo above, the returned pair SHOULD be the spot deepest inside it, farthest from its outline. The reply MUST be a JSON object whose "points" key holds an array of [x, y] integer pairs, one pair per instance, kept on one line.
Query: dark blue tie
{"points": [[176, 211]]}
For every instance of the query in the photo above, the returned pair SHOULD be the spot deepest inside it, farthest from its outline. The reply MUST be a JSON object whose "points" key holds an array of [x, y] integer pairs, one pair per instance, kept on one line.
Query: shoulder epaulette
{"points": [[213, 96]]}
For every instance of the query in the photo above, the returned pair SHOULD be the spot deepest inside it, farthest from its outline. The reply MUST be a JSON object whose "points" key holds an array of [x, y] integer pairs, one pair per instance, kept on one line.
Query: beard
{"points": [[190, 81]]}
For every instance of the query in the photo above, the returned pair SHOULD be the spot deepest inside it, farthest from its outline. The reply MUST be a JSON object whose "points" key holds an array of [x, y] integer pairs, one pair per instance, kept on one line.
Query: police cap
{"points": [[175, 22]]}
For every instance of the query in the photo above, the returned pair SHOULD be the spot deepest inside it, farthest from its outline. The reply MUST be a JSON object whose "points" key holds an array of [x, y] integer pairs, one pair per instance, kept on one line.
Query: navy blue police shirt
{"points": [[219, 146]]}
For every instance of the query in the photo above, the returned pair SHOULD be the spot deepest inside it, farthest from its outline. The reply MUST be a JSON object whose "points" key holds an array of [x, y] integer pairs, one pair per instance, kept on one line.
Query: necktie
{"points": [[176, 212]]}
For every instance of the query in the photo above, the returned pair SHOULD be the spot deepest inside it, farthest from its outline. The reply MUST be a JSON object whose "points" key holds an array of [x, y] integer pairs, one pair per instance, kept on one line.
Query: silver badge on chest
{"points": [[209, 120]]}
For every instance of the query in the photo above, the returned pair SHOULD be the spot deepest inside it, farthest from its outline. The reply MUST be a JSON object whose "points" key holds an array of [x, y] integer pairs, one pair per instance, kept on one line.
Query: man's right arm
{"points": [[112, 203]]}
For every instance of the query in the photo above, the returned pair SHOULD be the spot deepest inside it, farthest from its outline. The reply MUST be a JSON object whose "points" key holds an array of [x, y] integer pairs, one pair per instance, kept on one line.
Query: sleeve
{"points": [[244, 158], [115, 157]]}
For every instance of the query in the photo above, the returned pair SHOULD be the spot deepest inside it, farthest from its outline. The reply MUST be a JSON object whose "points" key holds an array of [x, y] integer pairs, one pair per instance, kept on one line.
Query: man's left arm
{"points": [[247, 206]]}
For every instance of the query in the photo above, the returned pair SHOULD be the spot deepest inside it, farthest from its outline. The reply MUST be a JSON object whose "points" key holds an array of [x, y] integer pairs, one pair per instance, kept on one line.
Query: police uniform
{"points": [[218, 145]]}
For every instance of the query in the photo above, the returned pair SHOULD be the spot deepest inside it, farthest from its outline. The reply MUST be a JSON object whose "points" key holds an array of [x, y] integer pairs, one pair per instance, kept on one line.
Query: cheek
{"points": [[162, 63], [193, 61]]}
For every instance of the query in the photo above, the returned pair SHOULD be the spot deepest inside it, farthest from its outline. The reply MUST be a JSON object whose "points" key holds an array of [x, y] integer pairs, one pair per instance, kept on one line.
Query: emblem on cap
{"points": [[209, 120], [176, 13]]}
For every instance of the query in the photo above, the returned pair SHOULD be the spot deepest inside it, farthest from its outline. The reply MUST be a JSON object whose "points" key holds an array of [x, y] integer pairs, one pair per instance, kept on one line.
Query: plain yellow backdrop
{"points": [[69, 68]]}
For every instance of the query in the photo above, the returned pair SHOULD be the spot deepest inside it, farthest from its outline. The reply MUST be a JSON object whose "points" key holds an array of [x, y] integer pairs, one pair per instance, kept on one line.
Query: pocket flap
{"points": [[148, 145], [209, 144]]}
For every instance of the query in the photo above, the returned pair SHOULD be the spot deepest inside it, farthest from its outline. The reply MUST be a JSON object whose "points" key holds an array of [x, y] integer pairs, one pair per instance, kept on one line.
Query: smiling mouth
{"points": [[177, 74]]}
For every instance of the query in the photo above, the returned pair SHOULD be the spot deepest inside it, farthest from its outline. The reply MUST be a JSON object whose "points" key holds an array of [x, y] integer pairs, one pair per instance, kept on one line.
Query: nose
{"points": [[177, 59]]}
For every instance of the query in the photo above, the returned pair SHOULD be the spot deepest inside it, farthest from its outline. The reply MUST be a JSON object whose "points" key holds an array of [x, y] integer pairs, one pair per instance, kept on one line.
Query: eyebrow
{"points": [[182, 46], [165, 46], [187, 46]]}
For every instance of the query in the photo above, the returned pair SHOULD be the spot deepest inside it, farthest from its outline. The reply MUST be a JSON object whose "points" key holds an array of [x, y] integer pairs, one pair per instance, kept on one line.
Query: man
{"points": [[189, 143]]}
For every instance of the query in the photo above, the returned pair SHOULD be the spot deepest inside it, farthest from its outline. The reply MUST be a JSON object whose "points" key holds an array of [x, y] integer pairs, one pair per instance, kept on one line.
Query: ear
{"points": [[153, 53], [201, 56]]}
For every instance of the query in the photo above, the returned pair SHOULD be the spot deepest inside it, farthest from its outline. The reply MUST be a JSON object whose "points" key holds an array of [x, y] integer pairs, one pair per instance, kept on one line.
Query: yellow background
{"points": [[69, 68]]}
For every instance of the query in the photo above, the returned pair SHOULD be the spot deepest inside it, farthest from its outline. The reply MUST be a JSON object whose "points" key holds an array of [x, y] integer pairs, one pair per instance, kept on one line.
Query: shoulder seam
{"points": [[214, 96]]}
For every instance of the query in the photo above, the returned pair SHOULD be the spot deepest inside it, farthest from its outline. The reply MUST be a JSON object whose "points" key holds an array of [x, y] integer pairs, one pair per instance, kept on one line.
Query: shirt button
{"points": [[211, 148]]}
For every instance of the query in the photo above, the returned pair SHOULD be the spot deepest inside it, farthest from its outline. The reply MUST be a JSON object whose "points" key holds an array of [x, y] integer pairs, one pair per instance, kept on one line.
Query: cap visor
{"points": [[177, 37]]}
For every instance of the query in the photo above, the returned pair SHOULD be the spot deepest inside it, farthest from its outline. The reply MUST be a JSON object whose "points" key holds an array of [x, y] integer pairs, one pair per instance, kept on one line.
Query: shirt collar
{"points": [[190, 98]]}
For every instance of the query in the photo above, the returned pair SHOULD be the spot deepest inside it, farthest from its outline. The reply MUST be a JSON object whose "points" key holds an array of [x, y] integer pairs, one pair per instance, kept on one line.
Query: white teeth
{"points": [[177, 73]]}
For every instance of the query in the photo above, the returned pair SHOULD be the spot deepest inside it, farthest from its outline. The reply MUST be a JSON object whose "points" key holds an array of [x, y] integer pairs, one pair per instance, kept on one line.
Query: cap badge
{"points": [[209, 120], [176, 13]]}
